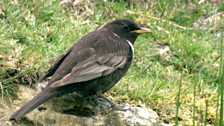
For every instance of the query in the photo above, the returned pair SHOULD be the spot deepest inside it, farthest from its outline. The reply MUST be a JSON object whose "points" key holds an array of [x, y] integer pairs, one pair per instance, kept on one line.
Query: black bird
{"points": [[92, 66]]}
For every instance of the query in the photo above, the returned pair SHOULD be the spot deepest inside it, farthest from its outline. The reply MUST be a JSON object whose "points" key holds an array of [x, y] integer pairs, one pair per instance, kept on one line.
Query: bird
{"points": [[91, 66]]}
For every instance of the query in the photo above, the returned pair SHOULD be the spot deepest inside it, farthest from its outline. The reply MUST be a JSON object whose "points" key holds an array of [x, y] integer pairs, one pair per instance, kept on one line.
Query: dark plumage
{"points": [[92, 66]]}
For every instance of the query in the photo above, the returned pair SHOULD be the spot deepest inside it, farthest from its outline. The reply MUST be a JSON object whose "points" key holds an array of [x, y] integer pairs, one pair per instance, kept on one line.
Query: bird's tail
{"points": [[43, 96]]}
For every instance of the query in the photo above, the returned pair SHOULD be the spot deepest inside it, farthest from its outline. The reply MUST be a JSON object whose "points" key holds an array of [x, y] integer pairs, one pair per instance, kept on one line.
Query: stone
{"points": [[73, 110]]}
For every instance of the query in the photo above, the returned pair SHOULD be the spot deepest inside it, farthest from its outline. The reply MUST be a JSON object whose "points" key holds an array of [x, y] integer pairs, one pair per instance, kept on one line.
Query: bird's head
{"points": [[126, 29]]}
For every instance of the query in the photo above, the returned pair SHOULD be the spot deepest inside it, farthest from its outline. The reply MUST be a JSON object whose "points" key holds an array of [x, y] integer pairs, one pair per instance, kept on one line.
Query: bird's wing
{"points": [[108, 55], [55, 66]]}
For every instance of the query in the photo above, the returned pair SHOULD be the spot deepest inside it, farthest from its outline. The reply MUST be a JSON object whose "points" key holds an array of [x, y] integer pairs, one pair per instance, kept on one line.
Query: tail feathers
{"points": [[32, 104]]}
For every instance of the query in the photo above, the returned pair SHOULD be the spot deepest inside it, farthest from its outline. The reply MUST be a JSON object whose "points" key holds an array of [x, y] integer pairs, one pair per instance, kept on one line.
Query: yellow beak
{"points": [[142, 30]]}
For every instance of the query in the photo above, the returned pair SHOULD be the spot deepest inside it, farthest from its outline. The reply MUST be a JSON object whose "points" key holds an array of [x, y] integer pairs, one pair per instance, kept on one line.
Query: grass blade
{"points": [[221, 87], [178, 102]]}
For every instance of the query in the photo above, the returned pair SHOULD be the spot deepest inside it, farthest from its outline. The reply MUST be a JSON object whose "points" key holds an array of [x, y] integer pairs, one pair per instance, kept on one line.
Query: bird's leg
{"points": [[113, 104]]}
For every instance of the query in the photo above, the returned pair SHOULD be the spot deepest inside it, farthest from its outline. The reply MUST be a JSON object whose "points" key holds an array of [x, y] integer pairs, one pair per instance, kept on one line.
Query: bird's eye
{"points": [[127, 28]]}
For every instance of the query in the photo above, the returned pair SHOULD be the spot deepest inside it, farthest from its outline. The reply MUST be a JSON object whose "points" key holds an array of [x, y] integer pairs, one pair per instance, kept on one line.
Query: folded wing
{"points": [[101, 62]]}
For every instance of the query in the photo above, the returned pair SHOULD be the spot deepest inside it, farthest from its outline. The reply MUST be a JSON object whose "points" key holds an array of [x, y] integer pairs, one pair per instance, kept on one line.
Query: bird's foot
{"points": [[113, 104]]}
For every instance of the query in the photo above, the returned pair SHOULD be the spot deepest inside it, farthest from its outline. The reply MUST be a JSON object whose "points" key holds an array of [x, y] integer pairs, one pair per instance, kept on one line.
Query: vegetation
{"points": [[176, 69]]}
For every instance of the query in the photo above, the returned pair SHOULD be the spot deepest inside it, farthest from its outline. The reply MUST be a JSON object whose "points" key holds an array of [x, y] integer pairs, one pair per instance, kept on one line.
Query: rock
{"points": [[73, 110], [211, 22]]}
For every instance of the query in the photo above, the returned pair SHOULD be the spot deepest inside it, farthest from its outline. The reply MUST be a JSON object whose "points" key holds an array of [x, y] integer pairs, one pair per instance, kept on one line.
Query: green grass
{"points": [[33, 33], [221, 85]]}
